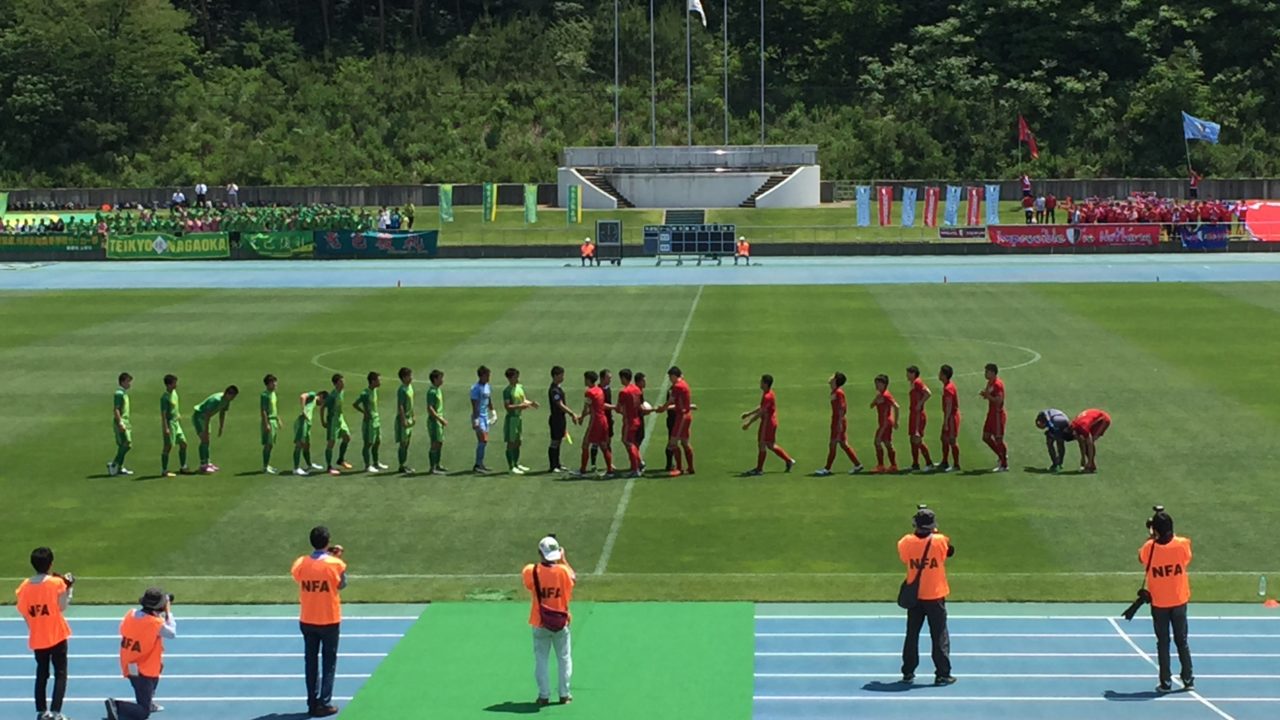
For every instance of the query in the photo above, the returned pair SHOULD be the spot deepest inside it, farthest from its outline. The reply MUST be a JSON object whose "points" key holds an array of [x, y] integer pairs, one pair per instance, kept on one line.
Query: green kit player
{"points": [[216, 403], [171, 427], [302, 464], [270, 423], [514, 401], [370, 424], [121, 426], [335, 427], [404, 418], [435, 420]]}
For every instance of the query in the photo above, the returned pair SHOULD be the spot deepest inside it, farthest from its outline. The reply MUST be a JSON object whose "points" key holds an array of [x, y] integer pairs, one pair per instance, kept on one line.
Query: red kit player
{"points": [[993, 429], [886, 422], [950, 421], [839, 427], [916, 419], [767, 413]]}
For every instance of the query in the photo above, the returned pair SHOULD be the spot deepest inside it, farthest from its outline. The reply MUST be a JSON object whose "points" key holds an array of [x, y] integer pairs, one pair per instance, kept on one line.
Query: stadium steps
{"points": [[602, 184], [773, 181], [684, 217]]}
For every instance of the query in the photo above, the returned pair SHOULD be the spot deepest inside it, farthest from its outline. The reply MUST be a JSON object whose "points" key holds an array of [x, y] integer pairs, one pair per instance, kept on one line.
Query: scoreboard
{"points": [[701, 240]]}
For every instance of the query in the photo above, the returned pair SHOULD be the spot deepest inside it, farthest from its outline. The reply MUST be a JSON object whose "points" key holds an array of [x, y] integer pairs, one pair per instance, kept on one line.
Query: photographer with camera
{"points": [[923, 594], [320, 577], [142, 635], [1166, 557], [550, 583], [42, 600]]}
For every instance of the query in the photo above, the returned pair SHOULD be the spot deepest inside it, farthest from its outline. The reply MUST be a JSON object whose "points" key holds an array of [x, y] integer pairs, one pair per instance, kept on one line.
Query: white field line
{"points": [[203, 699], [1012, 676], [172, 676], [1090, 618], [234, 618], [901, 697], [1104, 636], [625, 500], [1153, 663], [193, 656], [237, 636]]}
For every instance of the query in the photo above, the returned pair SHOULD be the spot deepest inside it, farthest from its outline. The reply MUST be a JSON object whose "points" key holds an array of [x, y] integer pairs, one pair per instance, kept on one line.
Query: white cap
{"points": [[549, 547], [743, 237]]}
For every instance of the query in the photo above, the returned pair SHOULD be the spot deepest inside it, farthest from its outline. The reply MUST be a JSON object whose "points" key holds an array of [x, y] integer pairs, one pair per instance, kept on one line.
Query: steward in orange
{"points": [[320, 577], [42, 600], [142, 634], [550, 583], [743, 250], [1166, 557], [925, 552], [588, 251]]}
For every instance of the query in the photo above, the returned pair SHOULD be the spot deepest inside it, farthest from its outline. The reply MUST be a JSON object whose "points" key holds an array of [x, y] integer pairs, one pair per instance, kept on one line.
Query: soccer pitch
{"points": [[1186, 371]]}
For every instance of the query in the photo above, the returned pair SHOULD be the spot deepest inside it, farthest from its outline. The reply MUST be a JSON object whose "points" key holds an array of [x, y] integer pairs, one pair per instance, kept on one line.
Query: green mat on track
{"points": [[630, 660]]}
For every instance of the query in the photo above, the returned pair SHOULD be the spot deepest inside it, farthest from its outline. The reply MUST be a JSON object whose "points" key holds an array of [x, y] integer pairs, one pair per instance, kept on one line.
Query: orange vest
{"points": [[318, 580], [933, 573], [588, 250], [141, 646], [38, 603], [1167, 578], [557, 589], [744, 248]]}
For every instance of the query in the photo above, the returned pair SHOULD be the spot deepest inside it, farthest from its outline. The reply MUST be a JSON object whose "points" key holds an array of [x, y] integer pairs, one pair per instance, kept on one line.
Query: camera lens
{"points": [[170, 597]]}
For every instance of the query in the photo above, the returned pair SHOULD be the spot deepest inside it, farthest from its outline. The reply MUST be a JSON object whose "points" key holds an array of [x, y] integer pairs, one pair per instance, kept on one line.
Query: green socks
{"points": [[403, 455], [342, 450], [266, 455], [204, 453], [297, 457]]}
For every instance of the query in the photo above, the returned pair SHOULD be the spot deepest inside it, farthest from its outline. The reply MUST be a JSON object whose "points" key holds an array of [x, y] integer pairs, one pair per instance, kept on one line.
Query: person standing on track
{"points": [[1167, 557], [550, 583], [916, 419], [997, 417], [950, 437], [925, 552], [42, 601], [321, 576], [142, 635], [767, 413]]}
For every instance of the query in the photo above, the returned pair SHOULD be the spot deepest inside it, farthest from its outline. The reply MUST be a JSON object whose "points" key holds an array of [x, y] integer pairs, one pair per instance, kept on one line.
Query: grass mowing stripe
{"points": [[612, 537]]}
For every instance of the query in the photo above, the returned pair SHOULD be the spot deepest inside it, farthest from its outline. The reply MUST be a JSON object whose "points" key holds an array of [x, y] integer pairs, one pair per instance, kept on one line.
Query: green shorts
{"points": [[403, 433], [200, 424], [512, 427], [302, 431], [176, 436], [124, 438], [435, 431], [269, 435], [337, 429], [371, 432]]}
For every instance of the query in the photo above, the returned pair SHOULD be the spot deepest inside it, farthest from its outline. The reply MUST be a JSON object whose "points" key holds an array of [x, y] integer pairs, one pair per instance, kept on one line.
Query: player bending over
{"points": [[302, 464], [1057, 433], [767, 435], [886, 422], [216, 403], [1088, 427]]}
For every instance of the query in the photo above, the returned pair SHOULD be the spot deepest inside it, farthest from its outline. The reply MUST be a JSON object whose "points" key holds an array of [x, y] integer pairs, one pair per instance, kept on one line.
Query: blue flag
{"points": [[993, 204], [951, 212], [908, 207], [864, 205], [1193, 128]]}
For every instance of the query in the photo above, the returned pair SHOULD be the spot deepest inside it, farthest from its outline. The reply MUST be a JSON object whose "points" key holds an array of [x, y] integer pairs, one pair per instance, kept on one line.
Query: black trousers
{"points": [[935, 611], [56, 657], [321, 656], [1175, 618], [144, 694]]}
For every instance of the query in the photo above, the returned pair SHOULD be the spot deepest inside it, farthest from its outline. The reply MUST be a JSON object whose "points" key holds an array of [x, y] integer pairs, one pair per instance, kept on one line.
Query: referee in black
{"points": [[606, 380], [558, 419], [671, 424], [1057, 433]]}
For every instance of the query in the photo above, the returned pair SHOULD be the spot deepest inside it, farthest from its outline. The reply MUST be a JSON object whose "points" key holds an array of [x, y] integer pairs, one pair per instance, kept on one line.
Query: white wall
{"points": [[687, 190], [593, 198], [802, 189]]}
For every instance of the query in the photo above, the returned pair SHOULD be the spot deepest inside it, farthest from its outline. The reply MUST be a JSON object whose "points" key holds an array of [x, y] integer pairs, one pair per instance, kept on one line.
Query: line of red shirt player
{"points": [[767, 435]]}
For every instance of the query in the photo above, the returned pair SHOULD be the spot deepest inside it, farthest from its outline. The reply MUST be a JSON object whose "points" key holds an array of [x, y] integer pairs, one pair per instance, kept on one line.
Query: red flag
{"points": [[931, 206], [1024, 135], [884, 202], [974, 210]]}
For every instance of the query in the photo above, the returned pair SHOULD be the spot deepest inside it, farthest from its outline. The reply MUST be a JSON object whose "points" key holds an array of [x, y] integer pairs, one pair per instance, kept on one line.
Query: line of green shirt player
{"points": [[330, 402]]}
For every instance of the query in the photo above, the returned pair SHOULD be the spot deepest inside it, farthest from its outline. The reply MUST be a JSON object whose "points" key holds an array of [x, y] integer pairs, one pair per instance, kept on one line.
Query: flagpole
{"points": [[688, 79], [617, 122], [724, 23], [1187, 146], [761, 72], [653, 86]]}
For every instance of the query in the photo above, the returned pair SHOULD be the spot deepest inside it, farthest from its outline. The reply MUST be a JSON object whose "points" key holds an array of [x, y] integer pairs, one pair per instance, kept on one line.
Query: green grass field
{"points": [[1187, 372]]}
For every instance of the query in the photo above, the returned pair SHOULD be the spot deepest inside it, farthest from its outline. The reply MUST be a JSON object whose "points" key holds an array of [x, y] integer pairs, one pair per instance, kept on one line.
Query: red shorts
{"points": [[995, 424], [631, 431], [768, 434], [1094, 425], [884, 433], [951, 428], [598, 432], [840, 432], [680, 431], [916, 423]]}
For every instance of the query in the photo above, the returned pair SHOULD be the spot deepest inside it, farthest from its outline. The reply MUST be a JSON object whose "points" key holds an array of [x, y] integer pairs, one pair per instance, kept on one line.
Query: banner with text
{"points": [[931, 195], [286, 244], [489, 202], [166, 246], [908, 207], [884, 205], [974, 209], [1205, 236], [993, 204], [573, 213], [373, 244], [446, 204], [1030, 236], [55, 242], [863, 194]]}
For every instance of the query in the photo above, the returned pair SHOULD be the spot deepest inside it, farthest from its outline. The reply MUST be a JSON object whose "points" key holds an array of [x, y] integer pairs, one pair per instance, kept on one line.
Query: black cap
{"points": [[154, 599], [925, 519], [1162, 523]]}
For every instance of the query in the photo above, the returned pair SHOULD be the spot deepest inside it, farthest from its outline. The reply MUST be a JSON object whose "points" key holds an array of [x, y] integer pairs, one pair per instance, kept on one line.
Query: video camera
{"points": [[1144, 595]]}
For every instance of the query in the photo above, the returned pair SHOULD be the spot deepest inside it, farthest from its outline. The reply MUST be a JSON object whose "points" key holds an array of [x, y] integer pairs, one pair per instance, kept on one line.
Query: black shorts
{"points": [[671, 422], [559, 427]]}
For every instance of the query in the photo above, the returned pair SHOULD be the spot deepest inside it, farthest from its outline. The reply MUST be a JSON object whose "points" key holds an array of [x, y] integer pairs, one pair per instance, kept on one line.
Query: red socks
{"points": [[688, 457], [879, 455], [924, 450], [853, 456], [760, 460]]}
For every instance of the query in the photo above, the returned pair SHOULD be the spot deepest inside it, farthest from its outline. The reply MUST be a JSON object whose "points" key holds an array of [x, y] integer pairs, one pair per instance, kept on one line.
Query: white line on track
{"points": [[625, 500], [1153, 663], [1083, 636], [1003, 654], [1090, 618], [899, 697], [1017, 676]]}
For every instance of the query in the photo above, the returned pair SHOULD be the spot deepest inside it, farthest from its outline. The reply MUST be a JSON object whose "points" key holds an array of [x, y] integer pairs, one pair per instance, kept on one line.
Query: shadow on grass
{"points": [[102, 476], [249, 473], [515, 708], [1037, 470], [145, 478]]}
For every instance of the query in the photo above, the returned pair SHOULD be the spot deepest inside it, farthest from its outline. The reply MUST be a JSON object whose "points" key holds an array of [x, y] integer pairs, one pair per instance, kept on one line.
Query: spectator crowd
{"points": [[179, 218]]}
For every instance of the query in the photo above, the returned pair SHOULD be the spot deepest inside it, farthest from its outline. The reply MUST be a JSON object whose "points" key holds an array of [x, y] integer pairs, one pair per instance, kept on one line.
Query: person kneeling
{"points": [[142, 634]]}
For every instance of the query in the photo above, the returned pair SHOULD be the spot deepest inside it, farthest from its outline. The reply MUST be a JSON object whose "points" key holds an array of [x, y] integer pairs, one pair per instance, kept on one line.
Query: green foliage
{"points": [[148, 92]]}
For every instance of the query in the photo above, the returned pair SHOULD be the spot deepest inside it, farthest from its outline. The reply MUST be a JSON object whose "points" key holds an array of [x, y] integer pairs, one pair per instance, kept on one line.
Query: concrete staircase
{"points": [[684, 217], [773, 181], [602, 183]]}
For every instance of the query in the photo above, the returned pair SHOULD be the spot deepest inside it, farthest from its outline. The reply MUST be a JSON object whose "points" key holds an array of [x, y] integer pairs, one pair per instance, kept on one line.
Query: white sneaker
{"points": [[822, 472], [855, 469], [157, 707], [111, 469], [270, 470], [522, 467], [999, 468], [372, 469], [317, 466], [301, 472], [124, 470], [383, 467], [517, 470]]}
